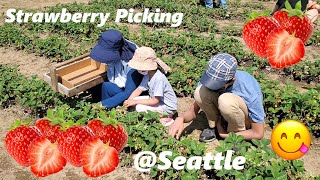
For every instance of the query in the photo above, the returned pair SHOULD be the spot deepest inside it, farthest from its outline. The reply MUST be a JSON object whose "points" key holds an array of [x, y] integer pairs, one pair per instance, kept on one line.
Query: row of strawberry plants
{"points": [[145, 133], [164, 43], [32, 93], [53, 46], [185, 46], [307, 71], [280, 102], [140, 126], [191, 20], [196, 18]]}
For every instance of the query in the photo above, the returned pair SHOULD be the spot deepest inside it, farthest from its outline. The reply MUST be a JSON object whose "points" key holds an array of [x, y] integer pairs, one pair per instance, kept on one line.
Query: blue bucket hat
{"points": [[221, 68], [112, 47]]}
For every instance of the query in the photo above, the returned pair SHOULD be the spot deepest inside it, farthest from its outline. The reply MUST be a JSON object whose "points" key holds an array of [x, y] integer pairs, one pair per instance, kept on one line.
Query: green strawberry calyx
{"points": [[255, 14], [18, 123], [293, 12], [111, 120], [55, 118]]}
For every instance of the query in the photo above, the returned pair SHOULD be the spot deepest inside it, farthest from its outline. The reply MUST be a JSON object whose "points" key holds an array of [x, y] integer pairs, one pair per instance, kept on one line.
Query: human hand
{"points": [[129, 103], [176, 128], [97, 106]]}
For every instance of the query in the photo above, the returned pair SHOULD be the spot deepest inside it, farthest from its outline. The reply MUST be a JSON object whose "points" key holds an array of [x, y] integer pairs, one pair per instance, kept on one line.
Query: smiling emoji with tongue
{"points": [[290, 139]]}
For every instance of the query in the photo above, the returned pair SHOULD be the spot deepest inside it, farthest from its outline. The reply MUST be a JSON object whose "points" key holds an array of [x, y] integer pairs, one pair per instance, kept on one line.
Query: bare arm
{"points": [[256, 131], [150, 102], [191, 113], [135, 93], [176, 128]]}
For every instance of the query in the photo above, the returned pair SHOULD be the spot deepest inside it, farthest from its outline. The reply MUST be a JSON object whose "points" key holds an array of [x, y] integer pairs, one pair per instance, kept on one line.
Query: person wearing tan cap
{"points": [[231, 99], [161, 97]]}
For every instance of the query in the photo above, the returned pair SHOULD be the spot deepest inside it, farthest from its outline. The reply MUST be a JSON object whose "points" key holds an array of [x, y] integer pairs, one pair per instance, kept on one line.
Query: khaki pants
{"points": [[232, 108]]}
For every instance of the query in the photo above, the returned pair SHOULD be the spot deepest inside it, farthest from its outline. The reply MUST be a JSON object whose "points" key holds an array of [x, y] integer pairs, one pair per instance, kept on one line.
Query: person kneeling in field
{"points": [[231, 99], [116, 51], [161, 97]]}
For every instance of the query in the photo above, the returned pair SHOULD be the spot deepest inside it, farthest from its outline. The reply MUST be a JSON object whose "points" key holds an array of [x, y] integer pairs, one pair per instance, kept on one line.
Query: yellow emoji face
{"points": [[290, 139]]}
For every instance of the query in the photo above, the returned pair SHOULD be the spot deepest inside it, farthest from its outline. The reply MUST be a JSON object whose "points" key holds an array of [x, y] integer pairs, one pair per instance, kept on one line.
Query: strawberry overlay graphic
{"points": [[280, 37], [48, 145]]}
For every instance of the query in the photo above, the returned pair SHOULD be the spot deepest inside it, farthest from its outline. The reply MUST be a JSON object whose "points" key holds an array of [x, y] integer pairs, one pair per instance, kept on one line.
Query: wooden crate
{"points": [[76, 75]]}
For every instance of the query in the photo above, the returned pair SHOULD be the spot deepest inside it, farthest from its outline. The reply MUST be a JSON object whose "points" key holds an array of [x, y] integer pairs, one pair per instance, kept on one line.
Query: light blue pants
{"points": [[223, 3]]}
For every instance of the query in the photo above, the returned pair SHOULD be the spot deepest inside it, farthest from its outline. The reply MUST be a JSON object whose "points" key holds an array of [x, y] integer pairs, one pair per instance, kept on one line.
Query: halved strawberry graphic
{"points": [[256, 31], [18, 140], [98, 158], [283, 49], [295, 22], [109, 131], [45, 158], [70, 142]]}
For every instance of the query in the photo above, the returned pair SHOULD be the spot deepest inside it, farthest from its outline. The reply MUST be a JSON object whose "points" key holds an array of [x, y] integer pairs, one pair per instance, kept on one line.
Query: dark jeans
{"points": [[112, 95]]}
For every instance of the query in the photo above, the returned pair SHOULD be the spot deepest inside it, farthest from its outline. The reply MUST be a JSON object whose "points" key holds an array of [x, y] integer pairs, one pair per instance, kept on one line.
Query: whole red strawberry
{"points": [[17, 142], [109, 131], [49, 131], [255, 32], [70, 142], [295, 22]]}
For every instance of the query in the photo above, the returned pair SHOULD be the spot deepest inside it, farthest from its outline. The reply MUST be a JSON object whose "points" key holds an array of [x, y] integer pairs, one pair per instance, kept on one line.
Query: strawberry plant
{"points": [[315, 39], [261, 161], [307, 71]]}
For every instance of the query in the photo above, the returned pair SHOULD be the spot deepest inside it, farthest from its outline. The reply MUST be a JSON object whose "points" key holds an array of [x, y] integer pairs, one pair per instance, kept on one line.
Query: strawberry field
{"points": [[289, 93]]}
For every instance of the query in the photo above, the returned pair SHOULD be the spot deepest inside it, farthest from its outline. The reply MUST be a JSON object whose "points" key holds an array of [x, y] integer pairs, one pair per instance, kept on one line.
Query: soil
{"points": [[30, 64]]}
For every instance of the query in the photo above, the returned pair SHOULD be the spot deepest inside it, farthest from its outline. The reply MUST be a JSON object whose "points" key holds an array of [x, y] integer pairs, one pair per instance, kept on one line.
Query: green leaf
{"points": [[113, 114], [50, 114], [287, 5], [60, 114], [298, 5]]}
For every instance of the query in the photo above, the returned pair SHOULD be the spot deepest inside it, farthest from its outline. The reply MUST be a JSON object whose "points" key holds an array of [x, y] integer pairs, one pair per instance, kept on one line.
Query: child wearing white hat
{"points": [[161, 97]]}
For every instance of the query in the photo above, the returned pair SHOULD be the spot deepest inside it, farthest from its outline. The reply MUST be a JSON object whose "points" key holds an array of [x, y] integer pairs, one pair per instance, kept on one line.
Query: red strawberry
{"points": [[17, 142], [98, 158], [295, 22], [255, 33], [109, 131], [70, 141], [283, 49], [45, 158], [48, 131]]}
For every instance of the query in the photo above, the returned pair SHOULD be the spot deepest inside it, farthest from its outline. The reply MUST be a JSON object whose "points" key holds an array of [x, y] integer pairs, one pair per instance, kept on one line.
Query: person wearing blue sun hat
{"points": [[116, 51]]}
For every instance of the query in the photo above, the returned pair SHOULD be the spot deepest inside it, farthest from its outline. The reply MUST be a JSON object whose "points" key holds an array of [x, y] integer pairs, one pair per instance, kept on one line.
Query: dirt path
{"points": [[28, 64]]}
